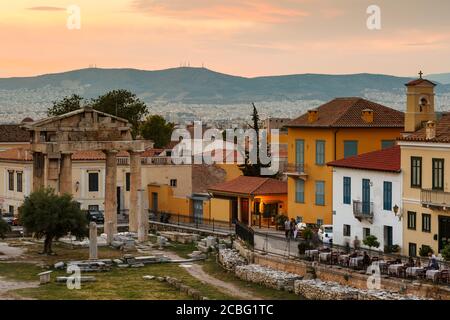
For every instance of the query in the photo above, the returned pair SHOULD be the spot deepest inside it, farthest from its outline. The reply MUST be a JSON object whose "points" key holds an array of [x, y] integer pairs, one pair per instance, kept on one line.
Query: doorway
{"points": [[244, 210], [198, 211], [388, 236], [444, 231]]}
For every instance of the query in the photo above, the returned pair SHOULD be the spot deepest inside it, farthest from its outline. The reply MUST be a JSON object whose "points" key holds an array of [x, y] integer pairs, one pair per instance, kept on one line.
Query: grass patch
{"points": [[117, 284]]}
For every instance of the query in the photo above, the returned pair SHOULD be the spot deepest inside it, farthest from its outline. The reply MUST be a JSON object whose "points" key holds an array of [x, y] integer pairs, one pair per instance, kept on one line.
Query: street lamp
{"points": [[397, 212]]}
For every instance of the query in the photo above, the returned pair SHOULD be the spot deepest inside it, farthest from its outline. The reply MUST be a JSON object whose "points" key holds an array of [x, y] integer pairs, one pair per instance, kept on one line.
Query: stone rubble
{"points": [[180, 237], [207, 244], [230, 259], [268, 277], [320, 290]]}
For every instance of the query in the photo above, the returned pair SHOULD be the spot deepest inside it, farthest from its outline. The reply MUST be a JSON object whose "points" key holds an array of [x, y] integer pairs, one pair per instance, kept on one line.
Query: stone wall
{"points": [[230, 259], [267, 277], [344, 276]]}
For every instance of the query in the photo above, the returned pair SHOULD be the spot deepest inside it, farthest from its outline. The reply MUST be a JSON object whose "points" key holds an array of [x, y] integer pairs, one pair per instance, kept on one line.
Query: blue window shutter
{"points": [[300, 191], [350, 148], [320, 193], [299, 151], [347, 190], [387, 196], [320, 152]]}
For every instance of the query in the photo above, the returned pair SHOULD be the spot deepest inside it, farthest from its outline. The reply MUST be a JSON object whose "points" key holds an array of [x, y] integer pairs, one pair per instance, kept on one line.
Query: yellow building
{"points": [[341, 128], [425, 156]]}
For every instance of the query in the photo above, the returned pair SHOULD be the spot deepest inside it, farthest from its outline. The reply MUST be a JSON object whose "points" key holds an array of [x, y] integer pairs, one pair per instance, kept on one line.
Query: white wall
{"points": [[343, 213]]}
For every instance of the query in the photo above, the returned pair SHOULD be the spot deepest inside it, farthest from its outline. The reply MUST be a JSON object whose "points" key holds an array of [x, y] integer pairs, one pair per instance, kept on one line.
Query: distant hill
{"points": [[203, 86], [440, 77]]}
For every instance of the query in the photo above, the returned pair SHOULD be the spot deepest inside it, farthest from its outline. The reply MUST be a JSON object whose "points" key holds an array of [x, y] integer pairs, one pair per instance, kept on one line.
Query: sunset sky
{"points": [[240, 37]]}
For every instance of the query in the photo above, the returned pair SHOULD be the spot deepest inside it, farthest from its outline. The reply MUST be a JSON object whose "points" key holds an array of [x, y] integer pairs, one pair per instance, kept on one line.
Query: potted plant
{"points": [[371, 241]]}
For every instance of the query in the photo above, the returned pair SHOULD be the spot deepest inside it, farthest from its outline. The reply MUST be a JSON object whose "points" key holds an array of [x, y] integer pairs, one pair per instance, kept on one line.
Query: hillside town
{"points": [[356, 209]]}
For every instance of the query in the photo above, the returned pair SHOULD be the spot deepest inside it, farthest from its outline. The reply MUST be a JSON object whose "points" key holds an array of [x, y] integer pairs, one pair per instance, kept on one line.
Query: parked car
{"points": [[95, 216], [8, 219], [325, 233]]}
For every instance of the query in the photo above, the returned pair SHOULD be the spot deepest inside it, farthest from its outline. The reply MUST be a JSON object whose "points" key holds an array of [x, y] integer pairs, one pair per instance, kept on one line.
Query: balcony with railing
{"points": [[363, 210], [296, 170], [435, 199]]}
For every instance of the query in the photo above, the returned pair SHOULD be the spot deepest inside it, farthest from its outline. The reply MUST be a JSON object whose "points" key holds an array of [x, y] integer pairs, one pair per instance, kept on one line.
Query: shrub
{"points": [[4, 228], [280, 220], [303, 246], [425, 250], [307, 233], [446, 252], [371, 241], [392, 249]]}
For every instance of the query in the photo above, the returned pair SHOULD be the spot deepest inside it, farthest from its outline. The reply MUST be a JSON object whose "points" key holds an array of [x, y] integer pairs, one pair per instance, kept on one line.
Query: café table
{"points": [[343, 259], [394, 269], [324, 256], [312, 253], [413, 271], [356, 262], [432, 275]]}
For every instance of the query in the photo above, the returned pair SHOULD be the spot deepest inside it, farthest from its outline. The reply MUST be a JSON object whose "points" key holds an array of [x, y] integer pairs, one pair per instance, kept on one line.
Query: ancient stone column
{"points": [[111, 190], [38, 171], [65, 176], [135, 185], [142, 217], [93, 252]]}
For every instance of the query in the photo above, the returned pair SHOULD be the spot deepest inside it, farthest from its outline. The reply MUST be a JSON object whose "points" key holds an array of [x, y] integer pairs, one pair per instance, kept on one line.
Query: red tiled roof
{"points": [[13, 133], [442, 132], [251, 186], [381, 160], [347, 112], [419, 82], [17, 154]]}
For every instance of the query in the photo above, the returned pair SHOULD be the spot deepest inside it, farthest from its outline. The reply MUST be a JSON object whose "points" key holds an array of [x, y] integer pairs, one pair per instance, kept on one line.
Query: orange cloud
{"points": [[251, 10]]}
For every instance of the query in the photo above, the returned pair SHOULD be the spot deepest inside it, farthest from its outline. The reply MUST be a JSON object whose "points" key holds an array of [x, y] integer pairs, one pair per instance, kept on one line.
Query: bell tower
{"points": [[419, 104]]}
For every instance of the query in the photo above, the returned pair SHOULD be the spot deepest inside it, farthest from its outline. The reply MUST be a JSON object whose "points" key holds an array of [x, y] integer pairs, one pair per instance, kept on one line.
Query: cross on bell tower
{"points": [[420, 74]]}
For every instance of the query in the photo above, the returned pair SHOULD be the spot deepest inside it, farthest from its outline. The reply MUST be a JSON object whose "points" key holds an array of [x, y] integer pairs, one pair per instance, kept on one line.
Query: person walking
{"points": [[287, 229]]}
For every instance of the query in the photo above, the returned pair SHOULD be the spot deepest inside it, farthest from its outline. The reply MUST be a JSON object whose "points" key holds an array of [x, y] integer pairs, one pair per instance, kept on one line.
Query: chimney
{"points": [[431, 130], [313, 115], [367, 115]]}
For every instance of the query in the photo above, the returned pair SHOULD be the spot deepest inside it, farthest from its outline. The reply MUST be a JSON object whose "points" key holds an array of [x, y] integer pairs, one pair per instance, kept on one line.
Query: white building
{"points": [[367, 194]]}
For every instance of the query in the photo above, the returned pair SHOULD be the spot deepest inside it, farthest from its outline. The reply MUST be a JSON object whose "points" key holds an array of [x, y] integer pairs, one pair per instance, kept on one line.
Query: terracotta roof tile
{"points": [[419, 82], [442, 132], [251, 186], [381, 160], [347, 112], [13, 133], [17, 154]]}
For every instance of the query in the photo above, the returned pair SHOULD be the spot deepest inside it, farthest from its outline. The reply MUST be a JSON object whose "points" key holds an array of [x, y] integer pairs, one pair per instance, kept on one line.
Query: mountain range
{"points": [[203, 86]]}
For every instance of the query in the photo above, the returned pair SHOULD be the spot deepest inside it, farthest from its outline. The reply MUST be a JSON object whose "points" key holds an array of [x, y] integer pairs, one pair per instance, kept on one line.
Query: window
{"points": [[173, 182], [19, 177], [426, 222], [366, 233], [11, 180], [387, 196], [319, 222], [11, 210], [416, 172], [299, 151], [127, 181], [387, 144], [93, 207], [411, 220], [320, 152], [300, 191], [412, 248], [347, 230], [320, 193], [93, 181], [438, 174], [347, 190], [350, 148]]}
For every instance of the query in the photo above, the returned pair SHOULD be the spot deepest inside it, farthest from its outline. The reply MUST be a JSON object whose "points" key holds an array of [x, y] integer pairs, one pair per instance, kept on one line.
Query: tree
{"points": [[249, 168], [65, 105], [123, 104], [120, 103], [156, 128], [371, 241], [52, 216], [4, 228]]}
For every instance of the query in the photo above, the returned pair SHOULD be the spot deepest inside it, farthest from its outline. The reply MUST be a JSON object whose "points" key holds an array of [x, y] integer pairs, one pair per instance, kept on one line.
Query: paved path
{"points": [[8, 285], [197, 272]]}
